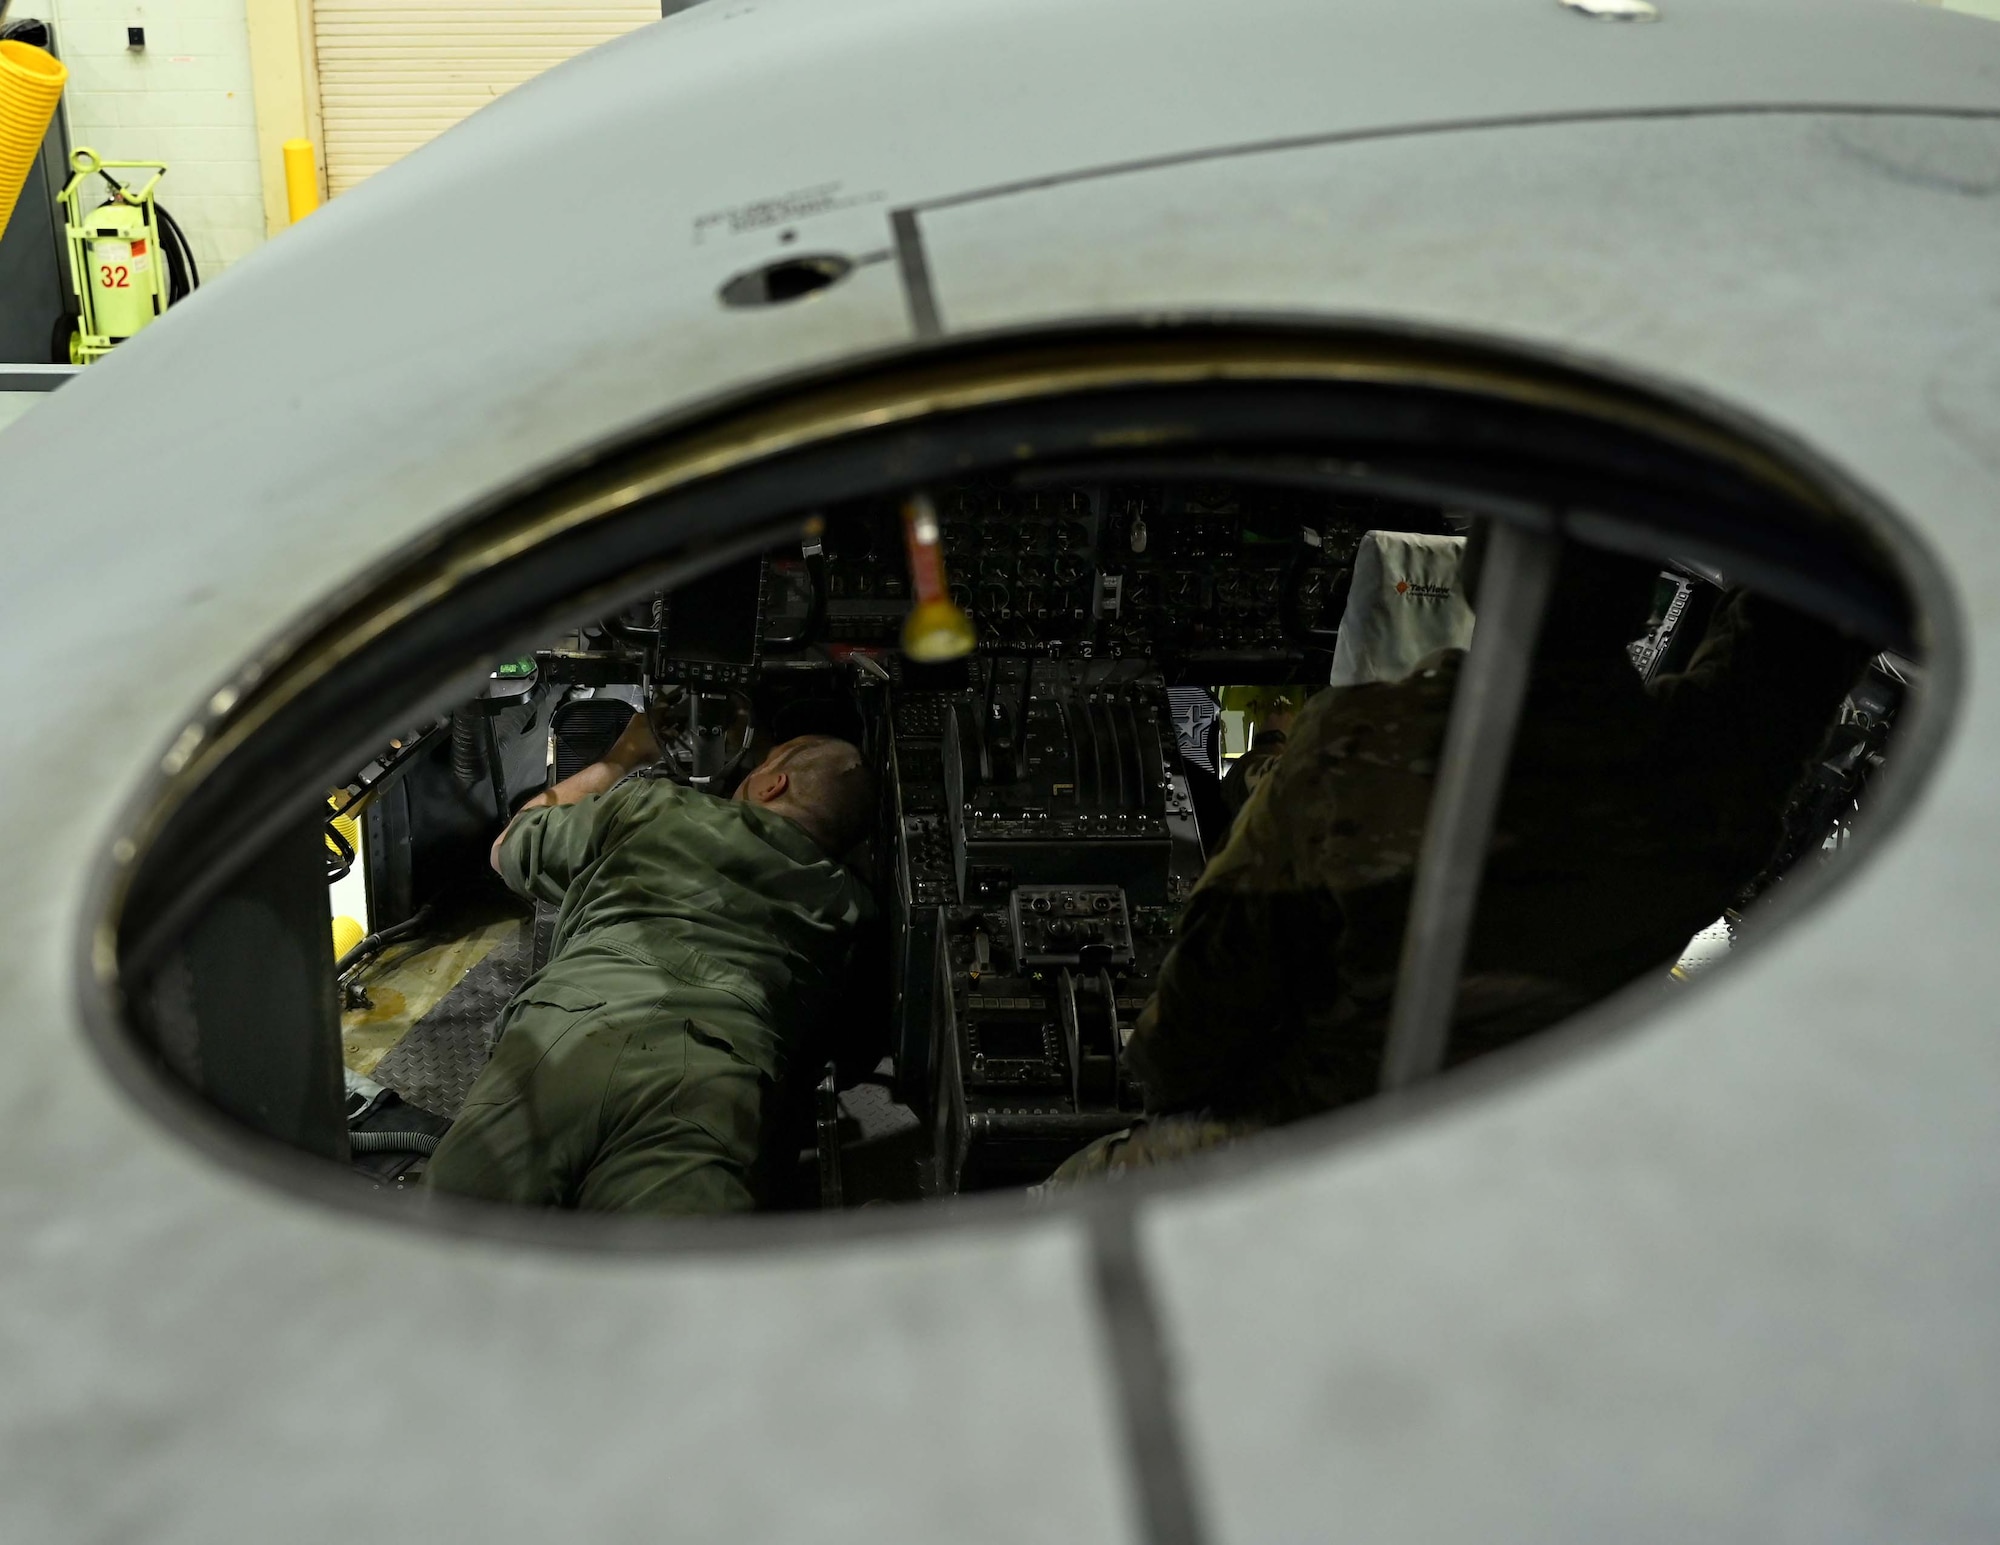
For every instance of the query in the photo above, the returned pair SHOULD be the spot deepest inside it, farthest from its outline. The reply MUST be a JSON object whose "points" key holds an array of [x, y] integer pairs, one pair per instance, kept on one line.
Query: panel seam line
{"points": [[1156, 1459]]}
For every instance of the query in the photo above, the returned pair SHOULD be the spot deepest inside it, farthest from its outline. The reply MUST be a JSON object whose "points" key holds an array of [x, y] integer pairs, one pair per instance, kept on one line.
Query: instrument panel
{"points": [[1208, 580]]}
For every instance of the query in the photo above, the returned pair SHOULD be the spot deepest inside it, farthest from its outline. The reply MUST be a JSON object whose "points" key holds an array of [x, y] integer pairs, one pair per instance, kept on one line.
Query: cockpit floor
{"points": [[433, 1008], [434, 1065]]}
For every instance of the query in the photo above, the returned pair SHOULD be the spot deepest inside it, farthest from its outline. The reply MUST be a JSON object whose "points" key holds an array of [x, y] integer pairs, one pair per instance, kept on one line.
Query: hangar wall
{"points": [[221, 84], [185, 99]]}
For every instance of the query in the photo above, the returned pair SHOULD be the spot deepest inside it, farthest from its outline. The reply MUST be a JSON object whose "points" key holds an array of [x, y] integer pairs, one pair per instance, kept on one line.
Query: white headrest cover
{"points": [[1406, 604]]}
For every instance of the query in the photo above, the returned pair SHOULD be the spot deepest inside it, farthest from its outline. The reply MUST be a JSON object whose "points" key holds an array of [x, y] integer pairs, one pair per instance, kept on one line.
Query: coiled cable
{"points": [[393, 1142]]}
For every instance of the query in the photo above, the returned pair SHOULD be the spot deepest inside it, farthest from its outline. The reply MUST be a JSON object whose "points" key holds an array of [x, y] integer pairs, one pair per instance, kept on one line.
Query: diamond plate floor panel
{"points": [[434, 1065]]}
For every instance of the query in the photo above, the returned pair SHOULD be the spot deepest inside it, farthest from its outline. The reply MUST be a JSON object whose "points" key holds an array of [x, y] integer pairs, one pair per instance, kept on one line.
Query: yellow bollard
{"points": [[301, 179], [31, 83]]}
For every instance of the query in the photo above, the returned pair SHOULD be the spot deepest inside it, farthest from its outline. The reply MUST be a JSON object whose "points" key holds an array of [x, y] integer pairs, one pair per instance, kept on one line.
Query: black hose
{"points": [[392, 1142], [466, 754], [375, 943], [183, 276], [341, 864]]}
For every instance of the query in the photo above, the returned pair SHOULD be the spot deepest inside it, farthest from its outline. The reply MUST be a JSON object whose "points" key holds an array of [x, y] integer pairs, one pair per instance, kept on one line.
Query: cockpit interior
{"points": [[1047, 800]]}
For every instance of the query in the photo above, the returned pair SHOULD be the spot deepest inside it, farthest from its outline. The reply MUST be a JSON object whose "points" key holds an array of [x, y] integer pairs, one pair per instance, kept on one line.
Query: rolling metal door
{"points": [[393, 73]]}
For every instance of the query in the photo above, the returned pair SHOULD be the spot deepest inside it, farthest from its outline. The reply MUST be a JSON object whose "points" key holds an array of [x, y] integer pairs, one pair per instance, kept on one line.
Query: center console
{"points": [[1046, 841]]}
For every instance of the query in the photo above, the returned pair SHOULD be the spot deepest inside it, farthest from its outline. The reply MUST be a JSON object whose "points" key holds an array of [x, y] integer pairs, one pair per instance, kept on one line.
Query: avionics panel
{"points": [[1222, 584]]}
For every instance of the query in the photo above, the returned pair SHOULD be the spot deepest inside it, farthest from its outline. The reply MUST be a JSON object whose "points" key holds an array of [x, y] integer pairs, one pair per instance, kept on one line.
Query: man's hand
{"points": [[635, 747]]}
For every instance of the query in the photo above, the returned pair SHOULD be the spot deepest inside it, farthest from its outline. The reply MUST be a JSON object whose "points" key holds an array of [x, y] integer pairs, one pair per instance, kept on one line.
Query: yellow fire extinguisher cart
{"points": [[117, 267]]}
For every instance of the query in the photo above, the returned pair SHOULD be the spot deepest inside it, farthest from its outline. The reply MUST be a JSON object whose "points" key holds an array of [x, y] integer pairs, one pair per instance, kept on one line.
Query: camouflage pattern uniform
{"points": [[1630, 818], [699, 940], [1244, 776]]}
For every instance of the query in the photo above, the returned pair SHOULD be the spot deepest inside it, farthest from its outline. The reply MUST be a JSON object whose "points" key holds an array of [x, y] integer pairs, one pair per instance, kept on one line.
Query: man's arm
{"points": [[635, 747]]}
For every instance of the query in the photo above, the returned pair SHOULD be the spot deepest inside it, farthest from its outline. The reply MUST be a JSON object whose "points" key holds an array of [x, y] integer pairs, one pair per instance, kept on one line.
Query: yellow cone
{"points": [[31, 83]]}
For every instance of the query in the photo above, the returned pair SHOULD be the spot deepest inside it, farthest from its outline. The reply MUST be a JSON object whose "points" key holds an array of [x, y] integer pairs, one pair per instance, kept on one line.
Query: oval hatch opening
{"points": [[1336, 713]]}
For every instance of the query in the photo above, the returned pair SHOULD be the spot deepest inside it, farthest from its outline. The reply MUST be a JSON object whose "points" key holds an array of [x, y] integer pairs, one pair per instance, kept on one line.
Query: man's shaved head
{"points": [[821, 783]]}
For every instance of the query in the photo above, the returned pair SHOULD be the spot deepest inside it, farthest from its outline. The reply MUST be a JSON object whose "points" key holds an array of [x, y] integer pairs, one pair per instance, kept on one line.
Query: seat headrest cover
{"points": [[1405, 605]]}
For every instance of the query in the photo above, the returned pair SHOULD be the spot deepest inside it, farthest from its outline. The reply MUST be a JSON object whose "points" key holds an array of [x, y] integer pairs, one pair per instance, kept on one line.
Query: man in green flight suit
{"points": [[699, 941], [1631, 818]]}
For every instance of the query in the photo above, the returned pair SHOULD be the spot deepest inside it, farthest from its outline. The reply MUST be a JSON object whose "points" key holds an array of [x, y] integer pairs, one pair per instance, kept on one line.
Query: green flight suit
{"points": [[1630, 819], [699, 940]]}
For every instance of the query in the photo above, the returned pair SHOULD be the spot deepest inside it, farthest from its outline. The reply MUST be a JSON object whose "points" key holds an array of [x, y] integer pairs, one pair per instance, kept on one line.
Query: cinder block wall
{"points": [[186, 100]]}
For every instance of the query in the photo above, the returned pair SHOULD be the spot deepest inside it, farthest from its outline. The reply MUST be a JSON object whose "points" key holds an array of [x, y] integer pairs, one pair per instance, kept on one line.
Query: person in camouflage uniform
{"points": [[699, 940], [1247, 773], [1630, 818]]}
